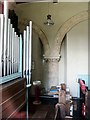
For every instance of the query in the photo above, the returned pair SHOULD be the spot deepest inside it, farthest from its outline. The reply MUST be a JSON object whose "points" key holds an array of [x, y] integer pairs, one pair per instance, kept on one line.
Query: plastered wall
{"points": [[56, 71]]}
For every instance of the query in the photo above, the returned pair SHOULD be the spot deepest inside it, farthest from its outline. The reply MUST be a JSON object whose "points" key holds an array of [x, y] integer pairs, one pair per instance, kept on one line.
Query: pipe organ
{"points": [[27, 35], [15, 62], [11, 50]]}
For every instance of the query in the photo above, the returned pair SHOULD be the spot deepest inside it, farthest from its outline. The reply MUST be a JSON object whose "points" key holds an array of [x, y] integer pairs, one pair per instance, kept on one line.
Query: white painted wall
{"points": [[36, 58], [72, 52], [63, 62], [74, 57], [77, 55], [74, 60], [37, 68]]}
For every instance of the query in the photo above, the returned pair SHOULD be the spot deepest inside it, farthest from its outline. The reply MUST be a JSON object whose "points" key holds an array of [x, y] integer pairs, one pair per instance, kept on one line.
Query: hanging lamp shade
{"points": [[49, 21]]}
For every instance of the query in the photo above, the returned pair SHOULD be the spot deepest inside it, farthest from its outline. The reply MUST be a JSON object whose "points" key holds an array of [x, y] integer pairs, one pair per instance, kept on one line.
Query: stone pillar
{"points": [[51, 72]]}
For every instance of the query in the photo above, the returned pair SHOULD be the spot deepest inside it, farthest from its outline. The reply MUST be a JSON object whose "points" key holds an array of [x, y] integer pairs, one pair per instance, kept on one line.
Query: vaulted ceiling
{"points": [[60, 12]]}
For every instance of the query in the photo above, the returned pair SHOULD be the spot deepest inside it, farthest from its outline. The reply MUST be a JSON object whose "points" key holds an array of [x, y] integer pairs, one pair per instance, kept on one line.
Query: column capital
{"points": [[52, 58]]}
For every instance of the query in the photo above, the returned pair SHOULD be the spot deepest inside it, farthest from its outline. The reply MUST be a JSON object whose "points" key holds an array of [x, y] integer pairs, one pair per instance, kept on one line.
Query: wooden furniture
{"points": [[13, 97], [47, 99], [87, 103]]}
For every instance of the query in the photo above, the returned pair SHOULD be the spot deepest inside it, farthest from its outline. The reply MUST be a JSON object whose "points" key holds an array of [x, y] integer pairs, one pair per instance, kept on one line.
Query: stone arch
{"points": [[66, 27], [38, 30], [42, 36]]}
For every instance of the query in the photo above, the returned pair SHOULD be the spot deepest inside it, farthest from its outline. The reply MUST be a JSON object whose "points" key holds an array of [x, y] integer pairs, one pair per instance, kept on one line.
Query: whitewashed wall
{"points": [[60, 12], [63, 62], [74, 60], [36, 58], [77, 55]]}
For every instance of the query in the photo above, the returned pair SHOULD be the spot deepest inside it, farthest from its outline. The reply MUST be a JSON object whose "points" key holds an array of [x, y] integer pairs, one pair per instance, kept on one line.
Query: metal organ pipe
{"points": [[1, 43], [24, 54], [8, 49], [30, 50], [27, 54], [5, 35]]}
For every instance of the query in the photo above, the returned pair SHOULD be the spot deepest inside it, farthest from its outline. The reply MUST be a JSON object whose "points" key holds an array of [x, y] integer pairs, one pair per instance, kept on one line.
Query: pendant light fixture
{"points": [[49, 20]]}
